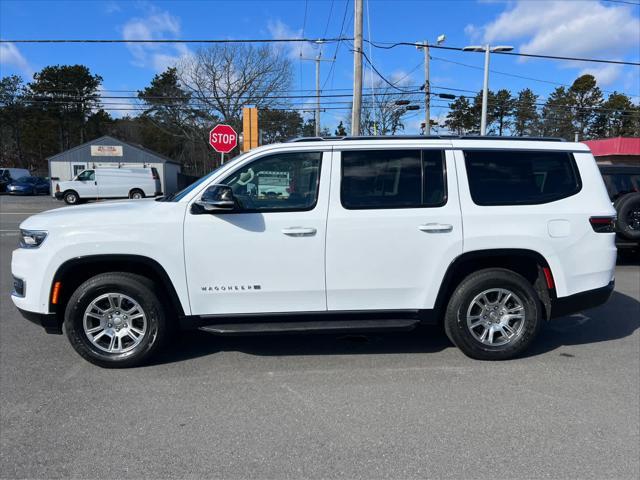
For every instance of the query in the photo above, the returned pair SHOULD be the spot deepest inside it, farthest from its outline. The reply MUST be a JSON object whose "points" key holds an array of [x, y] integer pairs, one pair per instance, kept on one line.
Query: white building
{"points": [[113, 153]]}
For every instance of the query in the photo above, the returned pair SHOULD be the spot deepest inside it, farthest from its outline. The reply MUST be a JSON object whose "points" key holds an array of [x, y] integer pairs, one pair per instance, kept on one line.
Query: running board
{"points": [[310, 326]]}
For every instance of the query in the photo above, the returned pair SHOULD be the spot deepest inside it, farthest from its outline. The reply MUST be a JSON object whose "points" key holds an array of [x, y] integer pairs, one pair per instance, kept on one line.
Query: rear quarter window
{"points": [[517, 177]]}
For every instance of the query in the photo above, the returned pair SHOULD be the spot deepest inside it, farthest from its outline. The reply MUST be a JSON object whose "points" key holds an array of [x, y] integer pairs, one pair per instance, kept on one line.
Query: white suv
{"points": [[491, 237]]}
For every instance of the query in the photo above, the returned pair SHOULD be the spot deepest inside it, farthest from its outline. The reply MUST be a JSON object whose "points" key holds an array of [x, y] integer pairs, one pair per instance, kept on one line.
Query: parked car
{"points": [[29, 186], [7, 175], [109, 183], [623, 186], [491, 237]]}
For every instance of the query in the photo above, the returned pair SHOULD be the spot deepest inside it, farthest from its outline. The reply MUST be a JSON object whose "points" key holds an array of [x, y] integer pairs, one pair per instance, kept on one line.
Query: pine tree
{"points": [[586, 98], [460, 119], [526, 116], [557, 115], [502, 110]]}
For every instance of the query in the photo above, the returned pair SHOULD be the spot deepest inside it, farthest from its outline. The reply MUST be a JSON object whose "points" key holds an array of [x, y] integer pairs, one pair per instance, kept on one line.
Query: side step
{"points": [[310, 326]]}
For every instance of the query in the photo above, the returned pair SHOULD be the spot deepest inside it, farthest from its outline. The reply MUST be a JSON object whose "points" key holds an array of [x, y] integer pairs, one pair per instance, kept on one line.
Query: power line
{"points": [[627, 2], [326, 28], [335, 52], [516, 54], [323, 40], [519, 76], [166, 40]]}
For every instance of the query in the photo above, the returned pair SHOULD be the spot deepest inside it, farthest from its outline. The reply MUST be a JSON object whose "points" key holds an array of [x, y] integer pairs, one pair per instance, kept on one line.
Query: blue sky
{"points": [[584, 28]]}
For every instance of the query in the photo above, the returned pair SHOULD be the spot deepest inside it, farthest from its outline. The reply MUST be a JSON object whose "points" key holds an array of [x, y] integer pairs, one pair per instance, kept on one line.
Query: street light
{"points": [[427, 86], [487, 49]]}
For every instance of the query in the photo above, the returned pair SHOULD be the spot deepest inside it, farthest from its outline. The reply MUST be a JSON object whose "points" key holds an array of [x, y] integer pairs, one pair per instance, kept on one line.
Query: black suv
{"points": [[623, 185]]}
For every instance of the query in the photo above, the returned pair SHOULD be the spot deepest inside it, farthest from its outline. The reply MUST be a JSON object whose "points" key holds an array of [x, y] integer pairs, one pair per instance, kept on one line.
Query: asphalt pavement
{"points": [[403, 405]]}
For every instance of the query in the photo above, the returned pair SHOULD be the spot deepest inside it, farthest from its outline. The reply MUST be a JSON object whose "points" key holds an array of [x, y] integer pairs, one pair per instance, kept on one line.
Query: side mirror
{"points": [[216, 198]]}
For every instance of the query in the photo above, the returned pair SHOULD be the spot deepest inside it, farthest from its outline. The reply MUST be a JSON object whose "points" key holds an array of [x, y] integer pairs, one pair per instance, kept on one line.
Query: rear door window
{"points": [[377, 179], [517, 177]]}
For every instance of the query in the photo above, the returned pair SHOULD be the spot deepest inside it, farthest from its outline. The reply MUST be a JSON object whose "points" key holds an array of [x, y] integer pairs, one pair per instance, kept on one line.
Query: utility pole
{"points": [[317, 59], [357, 68], [427, 90], [427, 83]]}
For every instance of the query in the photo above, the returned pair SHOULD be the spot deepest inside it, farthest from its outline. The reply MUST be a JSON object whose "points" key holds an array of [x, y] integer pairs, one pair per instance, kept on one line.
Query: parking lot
{"points": [[405, 405]]}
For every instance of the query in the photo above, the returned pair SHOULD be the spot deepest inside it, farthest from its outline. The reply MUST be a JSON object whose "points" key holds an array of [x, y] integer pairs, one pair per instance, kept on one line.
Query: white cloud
{"points": [[278, 30], [156, 26], [604, 75], [10, 56], [564, 28]]}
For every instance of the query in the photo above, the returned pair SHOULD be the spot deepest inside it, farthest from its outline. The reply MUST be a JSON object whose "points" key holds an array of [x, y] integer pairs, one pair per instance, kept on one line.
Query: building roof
{"points": [[106, 140], [614, 146]]}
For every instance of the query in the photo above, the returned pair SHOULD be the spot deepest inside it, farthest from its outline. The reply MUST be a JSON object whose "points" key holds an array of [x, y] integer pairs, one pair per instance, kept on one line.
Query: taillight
{"points": [[155, 175], [603, 224], [57, 187]]}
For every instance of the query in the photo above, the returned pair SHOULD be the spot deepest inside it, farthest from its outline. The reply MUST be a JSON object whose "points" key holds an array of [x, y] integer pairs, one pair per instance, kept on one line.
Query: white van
{"points": [[110, 183]]}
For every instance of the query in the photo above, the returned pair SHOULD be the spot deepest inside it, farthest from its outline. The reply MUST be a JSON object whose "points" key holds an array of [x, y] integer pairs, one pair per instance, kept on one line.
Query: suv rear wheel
{"points": [[115, 320], [494, 314]]}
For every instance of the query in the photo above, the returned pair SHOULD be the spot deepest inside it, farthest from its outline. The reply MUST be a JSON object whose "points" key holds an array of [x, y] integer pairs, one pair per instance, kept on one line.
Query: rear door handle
{"points": [[299, 231], [436, 227]]}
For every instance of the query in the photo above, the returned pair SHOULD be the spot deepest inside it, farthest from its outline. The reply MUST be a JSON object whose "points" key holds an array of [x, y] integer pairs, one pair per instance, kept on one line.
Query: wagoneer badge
{"points": [[229, 288]]}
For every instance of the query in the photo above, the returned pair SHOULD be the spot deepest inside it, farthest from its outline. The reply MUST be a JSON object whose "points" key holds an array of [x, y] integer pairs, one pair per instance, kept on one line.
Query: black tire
{"points": [[71, 198], [137, 288], [628, 221], [136, 194], [455, 321]]}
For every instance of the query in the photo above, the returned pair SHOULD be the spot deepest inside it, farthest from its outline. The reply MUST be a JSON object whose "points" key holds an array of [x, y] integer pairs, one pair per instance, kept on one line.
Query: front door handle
{"points": [[299, 231], [436, 227]]}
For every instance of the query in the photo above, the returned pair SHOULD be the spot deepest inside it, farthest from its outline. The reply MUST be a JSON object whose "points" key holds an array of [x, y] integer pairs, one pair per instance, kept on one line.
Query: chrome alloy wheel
{"points": [[114, 323], [496, 317]]}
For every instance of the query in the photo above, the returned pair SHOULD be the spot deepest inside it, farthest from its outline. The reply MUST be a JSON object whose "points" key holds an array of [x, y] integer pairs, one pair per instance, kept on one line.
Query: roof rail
{"points": [[425, 137]]}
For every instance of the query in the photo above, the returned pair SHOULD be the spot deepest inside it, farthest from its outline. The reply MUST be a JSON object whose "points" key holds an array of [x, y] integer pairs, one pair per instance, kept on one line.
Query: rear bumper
{"points": [[58, 195], [49, 321], [581, 301]]}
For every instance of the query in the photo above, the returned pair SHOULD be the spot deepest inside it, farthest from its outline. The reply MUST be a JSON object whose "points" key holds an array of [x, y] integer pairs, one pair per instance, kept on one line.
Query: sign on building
{"points": [[106, 150]]}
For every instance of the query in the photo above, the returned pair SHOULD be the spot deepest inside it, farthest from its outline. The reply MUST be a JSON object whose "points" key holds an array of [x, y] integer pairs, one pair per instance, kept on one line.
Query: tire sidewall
{"points": [[624, 206], [100, 285], [136, 195], [67, 195], [456, 316]]}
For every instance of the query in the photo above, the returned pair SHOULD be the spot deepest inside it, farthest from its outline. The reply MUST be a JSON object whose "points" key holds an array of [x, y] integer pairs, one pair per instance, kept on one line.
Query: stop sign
{"points": [[223, 138]]}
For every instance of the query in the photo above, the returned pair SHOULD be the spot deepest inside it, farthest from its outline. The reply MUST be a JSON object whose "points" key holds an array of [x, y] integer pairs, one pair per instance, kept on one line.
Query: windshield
{"points": [[25, 180], [176, 197]]}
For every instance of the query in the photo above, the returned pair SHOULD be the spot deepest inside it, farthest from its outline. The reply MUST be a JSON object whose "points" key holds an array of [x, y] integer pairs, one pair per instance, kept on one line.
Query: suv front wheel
{"points": [[494, 314], [115, 320]]}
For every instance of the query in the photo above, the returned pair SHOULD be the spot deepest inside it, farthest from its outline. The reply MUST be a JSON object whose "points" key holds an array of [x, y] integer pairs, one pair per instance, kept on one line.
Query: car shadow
{"points": [[618, 318]]}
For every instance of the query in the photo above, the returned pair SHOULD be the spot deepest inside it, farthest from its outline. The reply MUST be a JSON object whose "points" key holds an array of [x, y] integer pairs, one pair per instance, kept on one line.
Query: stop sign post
{"points": [[223, 139]]}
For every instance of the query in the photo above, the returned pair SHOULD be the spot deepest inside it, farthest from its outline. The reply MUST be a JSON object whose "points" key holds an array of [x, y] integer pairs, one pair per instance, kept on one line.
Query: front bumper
{"points": [[581, 301], [13, 191], [49, 321]]}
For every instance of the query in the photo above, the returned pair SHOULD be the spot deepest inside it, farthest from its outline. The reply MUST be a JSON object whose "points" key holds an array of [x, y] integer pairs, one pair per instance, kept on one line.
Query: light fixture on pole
{"points": [[427, 87], [487, 49]]}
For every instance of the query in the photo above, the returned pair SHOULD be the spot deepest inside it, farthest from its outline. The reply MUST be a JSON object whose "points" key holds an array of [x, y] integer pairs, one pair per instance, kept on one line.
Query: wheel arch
{"points": [[528, 263], [75, 271]]}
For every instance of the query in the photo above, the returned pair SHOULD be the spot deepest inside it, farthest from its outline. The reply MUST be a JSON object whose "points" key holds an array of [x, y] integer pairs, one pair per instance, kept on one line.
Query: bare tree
{"points": [[222, 79], [381, 113]]}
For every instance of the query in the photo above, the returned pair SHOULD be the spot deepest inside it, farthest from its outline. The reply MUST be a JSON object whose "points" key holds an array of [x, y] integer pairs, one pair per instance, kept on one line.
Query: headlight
{"points": [[32, 238]]}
